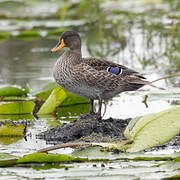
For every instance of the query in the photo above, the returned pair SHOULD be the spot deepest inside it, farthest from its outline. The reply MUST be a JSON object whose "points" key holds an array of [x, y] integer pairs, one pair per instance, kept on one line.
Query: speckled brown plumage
{"points": [[91, 77]]}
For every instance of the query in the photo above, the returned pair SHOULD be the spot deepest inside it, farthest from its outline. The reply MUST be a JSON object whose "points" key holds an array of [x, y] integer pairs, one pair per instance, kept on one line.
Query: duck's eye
{"points": [[115, 70]]}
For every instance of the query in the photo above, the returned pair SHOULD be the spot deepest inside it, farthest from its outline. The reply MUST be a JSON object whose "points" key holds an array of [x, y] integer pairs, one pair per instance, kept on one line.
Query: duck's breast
{"points": [[64, 76]]}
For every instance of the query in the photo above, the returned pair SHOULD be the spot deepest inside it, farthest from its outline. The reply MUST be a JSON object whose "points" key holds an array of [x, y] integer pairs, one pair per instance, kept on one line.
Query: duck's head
{"points": [[69, 39]]}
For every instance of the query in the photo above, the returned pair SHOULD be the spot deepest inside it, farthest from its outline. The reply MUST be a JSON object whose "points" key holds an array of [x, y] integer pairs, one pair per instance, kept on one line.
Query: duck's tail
{"points": [[137, 82]]}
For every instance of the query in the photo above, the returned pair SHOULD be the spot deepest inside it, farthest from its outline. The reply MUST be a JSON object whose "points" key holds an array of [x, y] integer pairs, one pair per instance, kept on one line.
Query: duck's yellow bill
{"points": [[59, 46]]}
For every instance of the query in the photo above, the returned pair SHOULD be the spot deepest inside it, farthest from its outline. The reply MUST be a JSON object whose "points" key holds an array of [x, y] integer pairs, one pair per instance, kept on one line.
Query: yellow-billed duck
{"points": [[92, 78]]}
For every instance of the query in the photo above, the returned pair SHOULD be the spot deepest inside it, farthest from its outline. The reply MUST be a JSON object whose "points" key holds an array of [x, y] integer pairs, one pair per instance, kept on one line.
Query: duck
{"points": [[90, 77]]}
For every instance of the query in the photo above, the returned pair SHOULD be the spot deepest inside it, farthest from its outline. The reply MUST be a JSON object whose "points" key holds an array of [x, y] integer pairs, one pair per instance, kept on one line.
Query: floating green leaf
{"points": [[7, 159], [13, 91], [16, 98], [11, 130], [6, 140], [16, 117], [46, 166], [8, 163], [10, 133], [6, 156], [153, 129], [48, 158], [152, 158], [16, 107], [55, 99]]}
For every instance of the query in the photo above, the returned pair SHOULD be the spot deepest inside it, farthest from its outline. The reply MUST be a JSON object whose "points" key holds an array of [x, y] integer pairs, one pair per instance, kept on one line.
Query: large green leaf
{"points": [[153, 129], [54, 100], [46, 91], [16, 107]]}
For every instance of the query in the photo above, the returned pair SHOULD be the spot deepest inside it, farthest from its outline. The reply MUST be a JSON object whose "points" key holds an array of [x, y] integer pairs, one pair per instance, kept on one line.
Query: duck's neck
{"points": [[76, 51], [73, 56]]}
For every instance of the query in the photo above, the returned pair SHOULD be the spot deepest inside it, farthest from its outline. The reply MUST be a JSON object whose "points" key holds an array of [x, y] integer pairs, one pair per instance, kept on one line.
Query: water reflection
{"points": [[27, 62]]}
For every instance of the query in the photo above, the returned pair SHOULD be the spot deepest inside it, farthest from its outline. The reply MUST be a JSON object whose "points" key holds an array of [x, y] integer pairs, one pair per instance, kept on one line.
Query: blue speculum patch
{"points": [[114, 70]]}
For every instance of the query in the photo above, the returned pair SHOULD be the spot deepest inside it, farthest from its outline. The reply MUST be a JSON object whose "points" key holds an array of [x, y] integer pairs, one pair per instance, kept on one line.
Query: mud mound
{"points": [[87, 128]]}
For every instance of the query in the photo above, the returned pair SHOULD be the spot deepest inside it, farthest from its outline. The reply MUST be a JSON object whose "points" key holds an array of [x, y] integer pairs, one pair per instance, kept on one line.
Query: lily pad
{"points": [[16, 107], [7, 159], [153, 129], [55, 99], [6, 140], [11, 133], [48, 158], [14, 91], [11, 130], [47, 166], [16, 117], [16, 98], [6, 156]]}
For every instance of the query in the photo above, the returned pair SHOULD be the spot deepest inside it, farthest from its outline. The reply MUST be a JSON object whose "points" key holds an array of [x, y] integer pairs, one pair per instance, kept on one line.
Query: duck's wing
{"points": [[97, 74], [110, 67]]}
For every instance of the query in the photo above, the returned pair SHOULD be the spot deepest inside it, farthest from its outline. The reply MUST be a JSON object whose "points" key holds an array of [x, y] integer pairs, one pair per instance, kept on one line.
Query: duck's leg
{"points": [[91, 111], [100, 107]]}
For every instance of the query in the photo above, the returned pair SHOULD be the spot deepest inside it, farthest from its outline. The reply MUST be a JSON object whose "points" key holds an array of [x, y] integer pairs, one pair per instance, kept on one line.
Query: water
{"points": [[132, 39]]}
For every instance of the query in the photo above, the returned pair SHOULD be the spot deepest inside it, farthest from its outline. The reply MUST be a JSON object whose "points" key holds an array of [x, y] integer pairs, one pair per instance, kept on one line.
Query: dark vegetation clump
{"points": [[87, 128]]}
